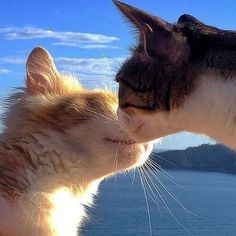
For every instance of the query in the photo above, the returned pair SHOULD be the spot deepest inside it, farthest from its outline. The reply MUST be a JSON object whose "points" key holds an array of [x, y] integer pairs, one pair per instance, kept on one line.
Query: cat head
{"points": [[77, 129], [164, 69]]}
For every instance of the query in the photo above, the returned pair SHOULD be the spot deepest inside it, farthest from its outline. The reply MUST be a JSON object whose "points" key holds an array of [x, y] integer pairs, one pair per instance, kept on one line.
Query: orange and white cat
{"points": [[180, 77], [60, 141]]}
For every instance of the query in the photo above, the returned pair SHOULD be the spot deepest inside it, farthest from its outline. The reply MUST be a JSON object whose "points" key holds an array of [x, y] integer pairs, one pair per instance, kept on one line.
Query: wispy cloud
{"points": [[87, 67], [86, 46], [4, 71], [16, 60], [92, 72], [65, 38], [101, 66]]}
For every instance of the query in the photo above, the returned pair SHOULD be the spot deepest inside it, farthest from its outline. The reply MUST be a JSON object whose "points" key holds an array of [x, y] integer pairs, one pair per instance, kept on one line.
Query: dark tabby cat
{"points": [[180, 77]]}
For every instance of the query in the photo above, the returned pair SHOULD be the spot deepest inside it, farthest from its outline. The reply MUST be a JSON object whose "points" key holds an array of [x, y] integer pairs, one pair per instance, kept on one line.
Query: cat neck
{"points": [[58, 213], [37, 182], [210, 110], [52, 161]]}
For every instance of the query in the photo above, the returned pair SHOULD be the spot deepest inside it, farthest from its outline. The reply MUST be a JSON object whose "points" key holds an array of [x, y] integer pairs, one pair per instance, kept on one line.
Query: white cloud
{"points": [[4, 71], [98, 81], [86, 46], [99, 66], [91, 71], [16, 60], [65, 38]]}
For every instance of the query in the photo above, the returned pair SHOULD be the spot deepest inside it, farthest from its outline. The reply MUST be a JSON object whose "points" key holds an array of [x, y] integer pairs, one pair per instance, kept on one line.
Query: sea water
{"points": [[181, 203]]}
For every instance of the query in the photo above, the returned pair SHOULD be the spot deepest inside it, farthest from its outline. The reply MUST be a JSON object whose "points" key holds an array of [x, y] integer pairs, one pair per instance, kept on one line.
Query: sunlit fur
{"points": [[60, 141]]}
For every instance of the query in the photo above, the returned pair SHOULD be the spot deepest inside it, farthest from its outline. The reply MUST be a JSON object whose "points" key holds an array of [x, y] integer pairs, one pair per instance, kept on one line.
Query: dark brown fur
{"points": [[169, 58]]}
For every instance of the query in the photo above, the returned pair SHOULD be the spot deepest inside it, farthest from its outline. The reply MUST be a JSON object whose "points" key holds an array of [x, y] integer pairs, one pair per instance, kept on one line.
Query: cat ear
{"points": [[157, 37], [142, 20], [41, 72]]}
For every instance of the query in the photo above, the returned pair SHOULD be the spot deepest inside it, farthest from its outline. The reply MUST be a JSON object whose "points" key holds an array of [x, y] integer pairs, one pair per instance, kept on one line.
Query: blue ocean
{"points": [[181, 203]]}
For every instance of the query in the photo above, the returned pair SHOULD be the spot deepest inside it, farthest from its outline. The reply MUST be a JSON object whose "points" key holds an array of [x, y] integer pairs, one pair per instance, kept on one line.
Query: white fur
{"points": [[209, 110], [44, 214]]}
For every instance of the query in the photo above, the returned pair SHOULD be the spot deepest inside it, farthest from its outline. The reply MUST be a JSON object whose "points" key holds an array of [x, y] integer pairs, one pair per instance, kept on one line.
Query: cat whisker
{"points": [[146, 200], [116, 156], [155, 166], [162, 158], [172, 195], [172, 214], [152, 195], [149, 173], [134, 174], [152, 184]]}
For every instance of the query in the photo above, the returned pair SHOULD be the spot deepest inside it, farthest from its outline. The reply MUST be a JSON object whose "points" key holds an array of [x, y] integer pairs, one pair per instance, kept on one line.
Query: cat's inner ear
{"points": [[41, 72], [156, 36]]}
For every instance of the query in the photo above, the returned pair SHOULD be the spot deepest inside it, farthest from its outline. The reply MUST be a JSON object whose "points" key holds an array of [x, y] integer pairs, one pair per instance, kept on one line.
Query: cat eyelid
{"points": [[144, 108], [119, 79], [138, 89]]}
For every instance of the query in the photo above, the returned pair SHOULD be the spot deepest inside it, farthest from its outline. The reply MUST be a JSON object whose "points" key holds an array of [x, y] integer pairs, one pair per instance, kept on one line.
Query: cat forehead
{"points": [[93, 99], [80, 99], [64, 111]]}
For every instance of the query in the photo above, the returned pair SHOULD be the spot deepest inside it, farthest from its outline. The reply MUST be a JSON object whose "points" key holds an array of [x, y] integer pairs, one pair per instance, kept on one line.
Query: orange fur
{"points": [[60, 141]]}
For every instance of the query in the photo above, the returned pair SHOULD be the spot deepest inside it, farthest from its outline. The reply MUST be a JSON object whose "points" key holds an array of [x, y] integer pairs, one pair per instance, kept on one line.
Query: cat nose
{"points": [[120, 113], [122, 116], [125, 117]]}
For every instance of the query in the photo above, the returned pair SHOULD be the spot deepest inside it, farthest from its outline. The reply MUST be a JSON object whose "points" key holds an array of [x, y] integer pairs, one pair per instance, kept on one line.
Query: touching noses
{"points": [[126, 118]]}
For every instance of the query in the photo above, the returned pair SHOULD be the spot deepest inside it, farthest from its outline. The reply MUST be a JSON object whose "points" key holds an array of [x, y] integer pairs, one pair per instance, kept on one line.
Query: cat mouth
{"points": [[120, 142]]}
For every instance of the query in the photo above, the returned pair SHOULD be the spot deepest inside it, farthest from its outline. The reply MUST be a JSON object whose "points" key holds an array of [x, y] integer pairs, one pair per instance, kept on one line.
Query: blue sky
{"points": [[90, 38]]}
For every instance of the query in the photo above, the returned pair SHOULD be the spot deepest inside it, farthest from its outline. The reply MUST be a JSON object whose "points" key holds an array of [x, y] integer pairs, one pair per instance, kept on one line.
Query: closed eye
{"points": [[138, 88], [145, 108]]}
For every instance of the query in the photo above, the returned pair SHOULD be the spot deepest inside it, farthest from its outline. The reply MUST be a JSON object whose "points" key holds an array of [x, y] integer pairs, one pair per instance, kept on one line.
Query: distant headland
{"points": [[206, 157]]}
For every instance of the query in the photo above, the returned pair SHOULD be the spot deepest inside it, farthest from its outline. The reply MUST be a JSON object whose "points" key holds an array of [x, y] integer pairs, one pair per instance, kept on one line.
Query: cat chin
{"points": [[143, 156], [131, 156]]}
